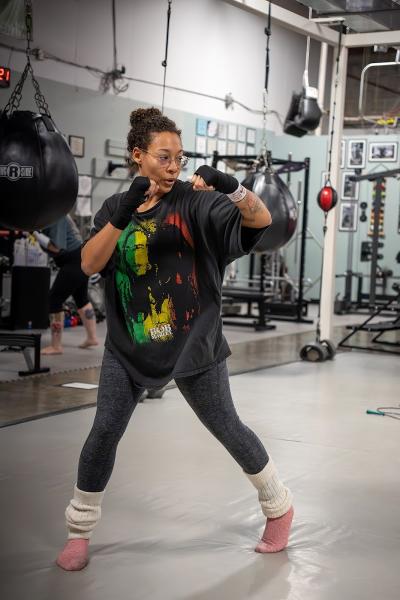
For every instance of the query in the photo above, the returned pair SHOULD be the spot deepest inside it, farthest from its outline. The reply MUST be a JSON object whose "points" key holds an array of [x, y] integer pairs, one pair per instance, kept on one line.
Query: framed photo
{"points": [[342, 154], [348, 216], [212, 128], [251, 136], [232, 131], [200, 145], [350, 189], [221, 146], [231, 148], [241, 148], [356, 154], [222, 130], [211, 145], [241, 133], [77, 145], [201, 126], [383, 151]]}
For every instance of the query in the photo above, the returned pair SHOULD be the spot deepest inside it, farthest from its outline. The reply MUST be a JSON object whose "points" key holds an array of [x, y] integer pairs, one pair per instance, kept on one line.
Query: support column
{"points": [[323, 59], [329, 265]]}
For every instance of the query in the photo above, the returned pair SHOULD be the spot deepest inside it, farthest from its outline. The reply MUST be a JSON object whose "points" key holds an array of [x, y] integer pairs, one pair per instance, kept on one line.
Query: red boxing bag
{"points": [[327, 198], [38, 174]]}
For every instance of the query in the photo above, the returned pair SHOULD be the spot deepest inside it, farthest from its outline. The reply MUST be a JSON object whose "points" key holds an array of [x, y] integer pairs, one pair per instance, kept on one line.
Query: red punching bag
{"points": [[327, 198]]}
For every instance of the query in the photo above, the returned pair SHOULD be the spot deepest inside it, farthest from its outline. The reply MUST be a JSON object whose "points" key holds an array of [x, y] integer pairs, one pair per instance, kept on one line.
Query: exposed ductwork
{"points": [[360, 16]]}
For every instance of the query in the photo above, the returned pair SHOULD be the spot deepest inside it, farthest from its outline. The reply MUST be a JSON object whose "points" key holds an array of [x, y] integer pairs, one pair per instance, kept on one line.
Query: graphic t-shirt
{"points": [[163, 283]]}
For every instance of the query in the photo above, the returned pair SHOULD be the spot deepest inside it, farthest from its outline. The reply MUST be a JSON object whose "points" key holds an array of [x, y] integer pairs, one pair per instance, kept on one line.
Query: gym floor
{"points": [[179, 518]]}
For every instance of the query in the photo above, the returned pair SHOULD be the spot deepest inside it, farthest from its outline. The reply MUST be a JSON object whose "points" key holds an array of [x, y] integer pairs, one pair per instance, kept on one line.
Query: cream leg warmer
{"points": [[83, 513], [274, 497]]}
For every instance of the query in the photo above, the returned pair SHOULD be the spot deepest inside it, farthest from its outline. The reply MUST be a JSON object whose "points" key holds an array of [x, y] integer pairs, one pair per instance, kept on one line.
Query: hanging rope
{"points": [[16, 96], [164, 62]]}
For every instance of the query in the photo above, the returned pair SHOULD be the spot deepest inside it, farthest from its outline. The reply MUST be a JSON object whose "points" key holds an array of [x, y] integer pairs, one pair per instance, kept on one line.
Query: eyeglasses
{"points": [[165, 161]]}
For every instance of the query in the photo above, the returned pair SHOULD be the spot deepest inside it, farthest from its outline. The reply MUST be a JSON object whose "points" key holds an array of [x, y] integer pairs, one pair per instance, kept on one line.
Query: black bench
{"points": [[25, 341]]}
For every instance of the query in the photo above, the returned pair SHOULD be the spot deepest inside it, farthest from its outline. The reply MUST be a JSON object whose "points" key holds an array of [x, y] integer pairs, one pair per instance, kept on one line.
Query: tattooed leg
{"points": [[56, 327]]}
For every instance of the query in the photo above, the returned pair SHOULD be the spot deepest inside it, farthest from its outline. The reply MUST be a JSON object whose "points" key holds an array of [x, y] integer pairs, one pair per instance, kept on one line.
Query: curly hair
{"points": [[145, 122]]}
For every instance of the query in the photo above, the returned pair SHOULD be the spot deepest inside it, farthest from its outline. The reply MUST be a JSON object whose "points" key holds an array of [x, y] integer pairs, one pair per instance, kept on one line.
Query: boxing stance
{"points": [[162, 247]]}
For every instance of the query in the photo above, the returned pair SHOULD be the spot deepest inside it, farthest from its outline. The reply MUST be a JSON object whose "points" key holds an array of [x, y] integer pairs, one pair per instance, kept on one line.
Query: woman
{"points": [[163, 247], [63, 242]]}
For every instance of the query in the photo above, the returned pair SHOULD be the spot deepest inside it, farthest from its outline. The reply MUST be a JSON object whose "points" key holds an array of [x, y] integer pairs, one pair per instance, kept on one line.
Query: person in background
{"points": [[63, 242]]}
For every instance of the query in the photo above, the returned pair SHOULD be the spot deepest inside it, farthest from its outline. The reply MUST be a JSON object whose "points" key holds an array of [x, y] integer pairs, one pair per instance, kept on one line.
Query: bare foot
{"points": [[74, 556], [276, 534], [52, 350], [88, 343]]}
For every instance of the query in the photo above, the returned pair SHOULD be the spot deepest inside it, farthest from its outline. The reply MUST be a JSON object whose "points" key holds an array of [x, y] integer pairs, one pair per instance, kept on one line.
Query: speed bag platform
{"points": [[38, 174]]}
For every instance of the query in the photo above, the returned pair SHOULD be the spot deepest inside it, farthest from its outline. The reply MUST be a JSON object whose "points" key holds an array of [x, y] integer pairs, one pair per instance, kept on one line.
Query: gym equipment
{"points": [[29, 297], [25, 341], [372, 250], [258, 287], [304, 113], [278, 199], [38, 174], [379, 329]]}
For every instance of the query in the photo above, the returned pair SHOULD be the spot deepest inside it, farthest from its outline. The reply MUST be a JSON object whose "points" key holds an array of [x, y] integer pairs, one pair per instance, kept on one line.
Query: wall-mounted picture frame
{"points": [[382, 151], [356, 154], [348, 216], [251, 136], [222, 130], [212, 129], [77, 145], [241, 133], [342, 154], [201, 126], [232, 131], [211, 145], [116, 148], [350, 189]]}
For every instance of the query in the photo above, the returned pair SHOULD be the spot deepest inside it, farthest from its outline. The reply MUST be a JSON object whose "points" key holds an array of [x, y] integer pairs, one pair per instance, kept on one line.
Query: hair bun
{"points": [[143, 114]]}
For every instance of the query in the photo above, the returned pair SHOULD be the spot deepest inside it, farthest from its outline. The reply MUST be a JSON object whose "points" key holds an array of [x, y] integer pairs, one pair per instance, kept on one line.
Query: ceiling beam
{"points": [[370, 38], [289, 20]]}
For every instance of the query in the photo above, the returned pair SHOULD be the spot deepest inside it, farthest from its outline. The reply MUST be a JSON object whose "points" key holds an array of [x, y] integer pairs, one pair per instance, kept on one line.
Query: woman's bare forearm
{"points": [[98, 250], [254, 212]]}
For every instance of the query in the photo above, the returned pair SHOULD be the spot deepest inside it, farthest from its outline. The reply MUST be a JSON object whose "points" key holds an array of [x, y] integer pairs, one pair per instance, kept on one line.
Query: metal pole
{"points": [[375, 240], [323, 60], [303, 239], [328, 272]]}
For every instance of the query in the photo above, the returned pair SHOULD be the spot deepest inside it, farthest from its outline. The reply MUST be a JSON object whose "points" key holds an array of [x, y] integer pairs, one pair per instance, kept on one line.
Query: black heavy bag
{"points": [[38, 174], [277, 198]]}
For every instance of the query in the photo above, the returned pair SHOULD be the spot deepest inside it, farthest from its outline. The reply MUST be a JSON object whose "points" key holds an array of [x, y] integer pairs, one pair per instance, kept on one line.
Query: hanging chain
{"points": [[264, 148], [328, 175], [164, 62], [16, 96]]}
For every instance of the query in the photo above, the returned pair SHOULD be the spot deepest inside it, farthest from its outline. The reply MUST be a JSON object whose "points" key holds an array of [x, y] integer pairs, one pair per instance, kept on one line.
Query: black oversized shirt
{"points": [[163, 283]]}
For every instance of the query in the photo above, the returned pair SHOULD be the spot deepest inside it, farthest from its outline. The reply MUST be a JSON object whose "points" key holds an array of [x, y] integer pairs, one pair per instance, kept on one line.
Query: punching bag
{"points": [[38, 174], [277, 198]]}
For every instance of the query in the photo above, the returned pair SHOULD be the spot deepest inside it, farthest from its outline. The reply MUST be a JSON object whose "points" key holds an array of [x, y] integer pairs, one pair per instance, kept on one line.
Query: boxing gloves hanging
{"points": [[304, 113]]}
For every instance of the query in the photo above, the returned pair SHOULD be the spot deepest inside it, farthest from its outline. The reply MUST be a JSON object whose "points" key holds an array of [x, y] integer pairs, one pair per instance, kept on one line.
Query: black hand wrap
{"points": [[129, 203], [220, 181]]}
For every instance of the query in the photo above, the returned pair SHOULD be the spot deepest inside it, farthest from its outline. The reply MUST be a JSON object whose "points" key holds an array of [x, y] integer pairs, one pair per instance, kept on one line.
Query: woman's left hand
{"points": [[199, 184]]}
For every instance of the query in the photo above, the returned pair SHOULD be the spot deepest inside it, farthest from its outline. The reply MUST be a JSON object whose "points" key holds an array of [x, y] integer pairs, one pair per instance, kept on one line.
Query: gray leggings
{"points": [[207, 393]]}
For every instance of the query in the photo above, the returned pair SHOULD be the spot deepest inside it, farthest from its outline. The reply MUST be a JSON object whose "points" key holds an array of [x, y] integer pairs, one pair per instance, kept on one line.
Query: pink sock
{"points": [[276, 533], [75, 555]]}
